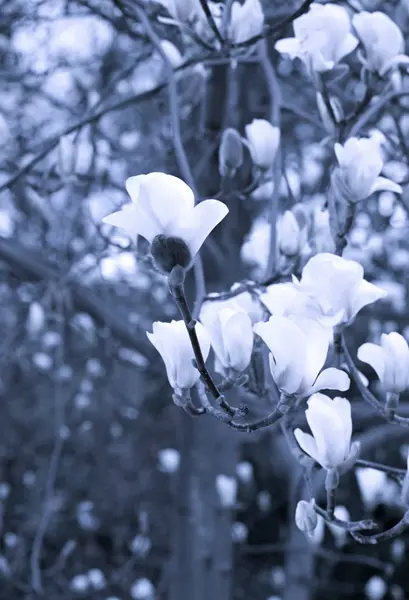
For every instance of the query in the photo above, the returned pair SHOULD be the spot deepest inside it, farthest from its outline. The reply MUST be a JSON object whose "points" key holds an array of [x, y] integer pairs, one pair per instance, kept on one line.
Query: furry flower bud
{"points": [[230, 152]]}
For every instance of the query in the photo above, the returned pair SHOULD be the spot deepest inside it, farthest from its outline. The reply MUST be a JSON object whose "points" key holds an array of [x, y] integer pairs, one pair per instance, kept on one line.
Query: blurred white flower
{"points": [[375, 588], [227, 490], [390, 361], [305, 516], [231, 336], [360, 164], [142, 589], [169, 460], [264, 191], [182, 10], [80, 583], [96, 579], [322, 37], [239, 532], [246, 21], [35, 319], [331, 425], [140, 545], [298, 352], [244, 471], [263, 141], [382, 39], [338, 285], [340, 535], [42, 361], [172, 53], [164, 205], [291, 238], [172, 342]]}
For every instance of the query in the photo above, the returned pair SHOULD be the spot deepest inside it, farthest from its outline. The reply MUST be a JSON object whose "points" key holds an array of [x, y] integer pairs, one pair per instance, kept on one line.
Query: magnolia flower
{"points": [[390, 361], [172, 342], [305, 516], [182, 10], [263, 140], [322, 37], [337, 284], [242, 302], [382, 39], [231, 336], [360, 163], [163, 211], [298, 352], [331, 425], [246, 21], [291, 237], [227, 490]]}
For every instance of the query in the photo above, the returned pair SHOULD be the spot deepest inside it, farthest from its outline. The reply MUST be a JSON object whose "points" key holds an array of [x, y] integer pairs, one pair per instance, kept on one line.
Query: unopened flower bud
{"points": [[230, 152], [289, 235], [305, 516], [263, 142], [169, 252]]}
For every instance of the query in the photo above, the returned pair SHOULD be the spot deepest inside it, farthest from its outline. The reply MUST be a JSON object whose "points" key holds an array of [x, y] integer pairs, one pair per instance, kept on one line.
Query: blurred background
{"points": [[107, 489]]}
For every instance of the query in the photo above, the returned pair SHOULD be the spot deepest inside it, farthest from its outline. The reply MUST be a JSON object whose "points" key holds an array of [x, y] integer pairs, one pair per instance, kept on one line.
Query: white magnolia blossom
{"points": [[390, 361], [382, 40], [182, 10], [322, 37], [298, 352], [231, 336], [376, 487], [360, 164], [246, 20], [338, 285], [172, 342], [291, 237], [242, 302], [164, 204], [331, 425], [263, 140]]}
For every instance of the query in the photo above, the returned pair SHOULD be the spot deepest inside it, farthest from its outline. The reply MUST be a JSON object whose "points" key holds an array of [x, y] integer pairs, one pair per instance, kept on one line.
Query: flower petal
{"points": [[307, 444], [290, 46], [365, 294], [127, 219], [382, 183], [161, 197], [374, 356], [331, 379], [197, 224], [238, 338], [327, 429], [347, 46], [339, 153]]}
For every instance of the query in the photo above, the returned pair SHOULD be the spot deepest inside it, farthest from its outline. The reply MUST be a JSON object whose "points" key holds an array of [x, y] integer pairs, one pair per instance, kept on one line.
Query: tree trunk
{"points": [[202, 551]]}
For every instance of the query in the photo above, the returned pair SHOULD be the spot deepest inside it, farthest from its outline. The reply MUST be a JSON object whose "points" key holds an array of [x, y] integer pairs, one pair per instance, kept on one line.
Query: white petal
{"points": [[127, 219], [279, 297], [342, 406], [382, 183], [289, 46], [317, 339], [331, 379], [238, 339], [365, 294], [339, 153], [373, 355], [307, 444], [348, 45], [328, 431], [161, 197], [400, 59], [199, 222]]}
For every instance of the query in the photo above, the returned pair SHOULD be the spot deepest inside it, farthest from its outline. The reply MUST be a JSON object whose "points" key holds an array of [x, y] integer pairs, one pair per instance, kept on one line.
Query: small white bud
{"points": [[79, 583], [375, 588], [96, 579], [142, 589], [169, 460], [305, 516], [244, 471]]}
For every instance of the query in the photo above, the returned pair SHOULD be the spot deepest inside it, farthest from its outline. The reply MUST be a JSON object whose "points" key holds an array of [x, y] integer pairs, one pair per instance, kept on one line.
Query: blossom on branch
{"points": [[246, 21], [291, 237], [331, 291], [163, 211], [298, 350], [231, 336], [360, 164], [306, 518], [390, 361], [322, 37], [263, 141], [331, 425], [382, 40], [172, 342]]}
